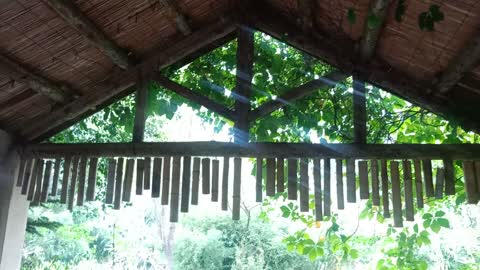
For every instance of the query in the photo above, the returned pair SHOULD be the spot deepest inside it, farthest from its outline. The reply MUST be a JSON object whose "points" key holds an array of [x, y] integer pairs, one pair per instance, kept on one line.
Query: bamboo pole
{"points": [[408, 190], [166, 179], [112, 167], [259, 180], [92, 178], [196, 180], [237, 178], [127, 183], [156, 177], [396, 195], [317, 183], [351, 182], [292, 179], [375, 182], [187, 161], [418, 182], [205, 176], [363, 176], [46, 181], [140, 174], [340, 193], [118, 184], [270, 184], [174, 195], [226, 165], [280, 175], [82, 171], [56, 176], [215, 180], [385, 199]]}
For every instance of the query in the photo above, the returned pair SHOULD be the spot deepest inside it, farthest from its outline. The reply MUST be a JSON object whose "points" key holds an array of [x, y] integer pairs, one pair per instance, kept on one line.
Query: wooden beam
{"points": [[120, 82], [266, 150], [464, 62], [141, 96], [327, 81], [22, 74], [359, 112], [194, 96], [376, 9], [173, 11], [73, 16], [243, 88]]}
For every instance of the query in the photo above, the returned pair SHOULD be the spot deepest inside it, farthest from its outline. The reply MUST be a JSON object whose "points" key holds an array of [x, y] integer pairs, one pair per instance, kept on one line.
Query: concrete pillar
{"points": [[13, 208]]}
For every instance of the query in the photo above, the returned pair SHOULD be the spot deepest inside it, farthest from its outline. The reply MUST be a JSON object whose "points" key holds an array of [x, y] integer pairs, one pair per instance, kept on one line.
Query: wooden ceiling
{"points": [[63, 60]]}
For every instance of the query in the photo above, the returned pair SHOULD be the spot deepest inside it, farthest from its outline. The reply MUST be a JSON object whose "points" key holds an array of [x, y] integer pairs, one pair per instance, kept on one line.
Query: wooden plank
{"points": [[141, 96], [112, 167], [140, 173], [196, 180], [363, 176], [38, 183], [92, 179], [46, 181], [205, 176], [351, 182], [292, 179], [259, 180], [377, 9], [118, 184], [477, 176], [166, 179], [408, 190], [396, 195], [304, 194], [270, 181], [359, 112], [26, 176], [82, 171], [340, 192], [449, 177], [21, 172], [226, 165], [470, 182], [317, 183], [175, 192], [56, 176], [67, 172], [427, 174], [375, 182], [128, 181], [237, 178], [215, 180], [73, 182], [327, 200], [147, 177], [32, 180], [187, 161], [156, 177], [439, 183], [385, 197], [280, 175], [418, 182]]}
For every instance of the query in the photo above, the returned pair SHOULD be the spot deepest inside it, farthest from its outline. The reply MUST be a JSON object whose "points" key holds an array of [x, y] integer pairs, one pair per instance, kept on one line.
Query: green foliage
{"points": [[34, 226]]}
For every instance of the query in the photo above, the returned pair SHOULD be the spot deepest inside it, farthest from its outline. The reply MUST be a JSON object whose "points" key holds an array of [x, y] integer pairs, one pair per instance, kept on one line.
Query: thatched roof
{"points": [[63, 60]]}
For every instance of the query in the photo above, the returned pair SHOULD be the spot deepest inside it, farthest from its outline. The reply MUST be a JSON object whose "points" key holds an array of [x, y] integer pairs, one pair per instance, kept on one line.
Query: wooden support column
{"points": [[140, 109], [359, 112], [244, 84]]}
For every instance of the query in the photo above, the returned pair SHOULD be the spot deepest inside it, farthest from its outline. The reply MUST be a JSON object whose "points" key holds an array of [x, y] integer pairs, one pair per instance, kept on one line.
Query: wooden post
{"points": [[317, 183], [359, 112], [292, 179], [147, 173], [385, 199], [166, 179], [195, 180], [66, 178], [73, 183], [304, 194], [215, 180], [280, 175], [38, 183], [27, 175], [270, 185], [363, 175], [174, 195], [226, 165], [396, 196], [439, 183], [82, 171], [140, 174], [418, 182], [140, 109], [46, 181], [156, 179], [21, 172], [237, 178], [245, 52], [92, 179], [112, 167], [56, 176], [375, 182], [427, 174], [259, 180], [477, 176], [187, 161], [449, 177], [470, 182], [205, 176], [340, 193], [408, 190], [351, 181], [118, 184], [127, 184], [327, 200]]}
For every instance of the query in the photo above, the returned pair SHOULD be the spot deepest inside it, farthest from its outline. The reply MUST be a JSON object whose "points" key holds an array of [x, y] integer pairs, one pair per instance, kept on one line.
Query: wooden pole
{"points": [[439, 183], [205, 176], [449, 177], [112, 167], [215, 179], [280, 175], [147, 173], [46, 181], [67, 166], [73, 182], [140, 174], [340, 192], [226, 165], [418, 182], [166, 179], [270, 183], [317, 183], [385, 197], [259, 180], [359, 112], [237, 178], [175, 193], [427, 174], [21, 172], [56, 176], [141, 96], [292, 179], [375, 182], [327, 200], [363, 176], [187, 161], [396, 195], [196, 180], [127, 183], [408, 190], [351, 182], [82, 170], [156, 179], [92, 179], [118, 184], [26, 177], [470, 182], [38, 183], [304, 194]]}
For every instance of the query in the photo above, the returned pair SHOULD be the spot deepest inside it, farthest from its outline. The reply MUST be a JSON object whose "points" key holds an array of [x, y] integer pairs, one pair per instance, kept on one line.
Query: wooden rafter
{"points": [[120, 82], [359, 112], [328, 81], [175, 14], [466, 61], [71, 14], [55, 91], [377, 9], [141, 96], [194, 96]]}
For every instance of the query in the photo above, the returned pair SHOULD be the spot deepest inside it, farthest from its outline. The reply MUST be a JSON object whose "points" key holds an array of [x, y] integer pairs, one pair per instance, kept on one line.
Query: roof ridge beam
{"points": [[73, 16], [174, 12], [368, 43]]}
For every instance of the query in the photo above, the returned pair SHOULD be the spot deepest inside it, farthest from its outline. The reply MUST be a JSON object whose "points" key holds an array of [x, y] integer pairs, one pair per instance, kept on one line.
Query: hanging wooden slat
{"points": [[385, 200], [187, 161], [195, 180], [317, 184], [32, 180], [259, 181], [56, 176], [175, 192], [327, 200], [21, 171], [396, 195], [67, 171], [73, 182], [128, 181], [118, 184], [82, 171], [270, 184], [46, 181], [112, 167], [340, 194], [470, 182], [477, 176], [280, 175], [449, 177], [166, 179], [156, 177], [363, 176], [427, 175], [226, 165], [140, 174], [38, 183], [417, 165], [215, 180], [237, 178], [304, 196], [351, 182], [439, 183], [292, 179], [375, 182], [408, 190], [147, 176], [205, 176], [26, 176], [92, 179]]}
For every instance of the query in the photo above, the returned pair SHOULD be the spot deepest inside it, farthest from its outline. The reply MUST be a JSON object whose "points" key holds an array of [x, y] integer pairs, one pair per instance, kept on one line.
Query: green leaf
{"points": [[443, 222], [351, 16], [427, 216], [312, 255], [354, 253], [435, 227], [285, 211], [439, 214], [427, 223], [415, 228]]}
